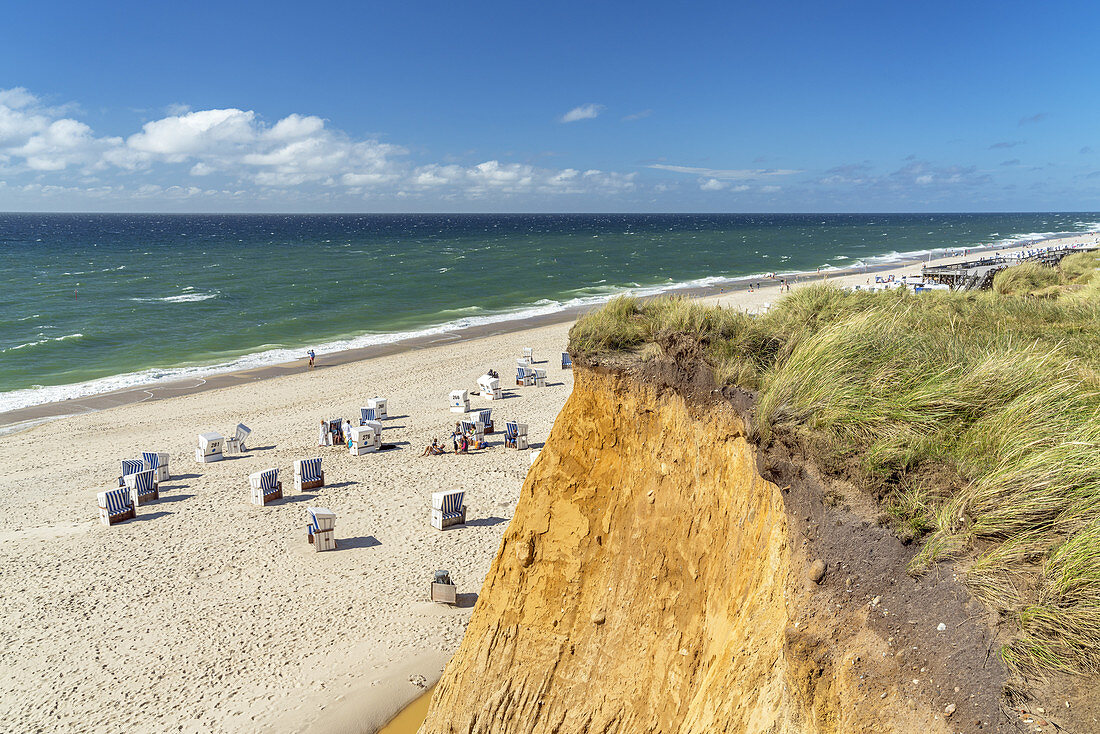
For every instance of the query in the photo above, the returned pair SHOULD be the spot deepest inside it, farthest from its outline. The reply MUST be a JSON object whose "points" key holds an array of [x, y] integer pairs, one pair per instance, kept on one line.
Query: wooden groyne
{"points": [[978, 274]]}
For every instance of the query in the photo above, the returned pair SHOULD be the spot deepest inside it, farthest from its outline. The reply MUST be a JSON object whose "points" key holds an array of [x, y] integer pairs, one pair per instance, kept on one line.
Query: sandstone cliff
{"points": [[652, 580]]}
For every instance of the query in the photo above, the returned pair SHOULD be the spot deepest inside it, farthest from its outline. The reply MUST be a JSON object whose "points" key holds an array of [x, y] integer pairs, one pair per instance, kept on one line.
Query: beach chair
{"points": [[322, 528], [266, 486], [308, 474], [540, 377], [366, 438], [116, 505], [443, 589], [489, 387], [529, 355], [525, 374], [367, 414], [486, 417], [478, 429], [210, 448], [235, 443], [447, 509], [515, 435], [380, 410], [143, 487], [460, 401], [158, 462], [130, 466], [566, 361]]}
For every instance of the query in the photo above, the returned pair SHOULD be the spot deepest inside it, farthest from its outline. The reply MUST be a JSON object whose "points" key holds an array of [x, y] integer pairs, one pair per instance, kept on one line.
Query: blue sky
{"points": [[432, 106]]}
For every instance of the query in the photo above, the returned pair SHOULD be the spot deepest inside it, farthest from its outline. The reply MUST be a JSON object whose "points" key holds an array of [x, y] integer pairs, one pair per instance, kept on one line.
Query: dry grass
{"points": [[1001, 391]]}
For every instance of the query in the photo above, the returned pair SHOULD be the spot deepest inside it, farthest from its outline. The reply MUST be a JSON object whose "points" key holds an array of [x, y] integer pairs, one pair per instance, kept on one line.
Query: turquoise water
{"points": [[97, 302]]}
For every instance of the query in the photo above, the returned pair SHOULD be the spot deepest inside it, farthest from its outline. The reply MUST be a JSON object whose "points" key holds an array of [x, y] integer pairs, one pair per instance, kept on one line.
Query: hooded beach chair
{"points": [[540, 377], [366, 438], [321, 528], [489, 387], [566, 361], [529, 355], [266, 486], [308, 474], [380, 410], [478, 429], [116, 505], [460, 401], [210, 448], [143, 487], [367, 414], [486, 417], [158, 462], [130, 466], [447, 509], [235, 443], [515, 435]]}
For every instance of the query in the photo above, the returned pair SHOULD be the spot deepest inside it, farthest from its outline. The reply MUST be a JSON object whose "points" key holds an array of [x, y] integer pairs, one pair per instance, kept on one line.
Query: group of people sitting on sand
{"points": [[463, 443]]}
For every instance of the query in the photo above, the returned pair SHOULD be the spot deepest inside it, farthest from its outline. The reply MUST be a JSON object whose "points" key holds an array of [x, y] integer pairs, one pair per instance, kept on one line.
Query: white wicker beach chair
{"points": [[321, 528], [308, 474]]}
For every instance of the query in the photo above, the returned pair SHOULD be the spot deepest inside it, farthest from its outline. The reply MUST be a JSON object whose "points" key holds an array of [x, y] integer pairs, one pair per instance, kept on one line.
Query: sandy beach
{"points": [[209, 614]]}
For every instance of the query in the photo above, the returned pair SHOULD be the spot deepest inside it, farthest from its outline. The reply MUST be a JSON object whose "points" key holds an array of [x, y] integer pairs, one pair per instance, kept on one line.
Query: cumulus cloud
{"points": [[712, 184], [235, 146], [724, 174], [584, 112]]}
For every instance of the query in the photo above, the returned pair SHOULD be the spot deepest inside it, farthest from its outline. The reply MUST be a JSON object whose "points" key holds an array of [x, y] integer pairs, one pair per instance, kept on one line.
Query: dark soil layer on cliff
{"points": [[969, 424]]}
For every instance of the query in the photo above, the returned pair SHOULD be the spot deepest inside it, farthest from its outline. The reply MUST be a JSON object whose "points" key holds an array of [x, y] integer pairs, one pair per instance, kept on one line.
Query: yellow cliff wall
{"points": [[644, 585]]}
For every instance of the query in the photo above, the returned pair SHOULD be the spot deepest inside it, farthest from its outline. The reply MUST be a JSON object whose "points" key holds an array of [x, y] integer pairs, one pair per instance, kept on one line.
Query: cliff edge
{"points": [[653, 580]]}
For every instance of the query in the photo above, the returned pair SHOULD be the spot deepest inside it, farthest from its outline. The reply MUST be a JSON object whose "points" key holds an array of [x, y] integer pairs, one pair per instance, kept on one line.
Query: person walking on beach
{"points": [[312, 358]]}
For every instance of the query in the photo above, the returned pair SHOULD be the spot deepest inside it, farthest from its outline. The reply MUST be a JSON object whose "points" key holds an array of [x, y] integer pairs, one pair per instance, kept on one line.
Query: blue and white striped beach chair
{"points": [[515, 435], [266, 486], [158, 462], [566, 361], [308, 474], [447, 509], [367, 414], [143, 486], [130, 466], [322, 528], [486, 418], [116, 505]]}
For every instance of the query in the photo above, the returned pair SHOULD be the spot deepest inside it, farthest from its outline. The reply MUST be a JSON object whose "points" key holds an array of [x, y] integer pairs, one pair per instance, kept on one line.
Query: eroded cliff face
{"points": [[648, 583]]}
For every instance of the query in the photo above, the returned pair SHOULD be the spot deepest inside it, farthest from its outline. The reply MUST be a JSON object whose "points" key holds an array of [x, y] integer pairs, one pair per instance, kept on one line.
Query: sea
{"points": [[91, 303]]}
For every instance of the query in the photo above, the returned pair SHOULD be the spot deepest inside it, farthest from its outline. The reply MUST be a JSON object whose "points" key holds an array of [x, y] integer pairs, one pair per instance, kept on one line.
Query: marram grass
{"points": [[999, 392]]}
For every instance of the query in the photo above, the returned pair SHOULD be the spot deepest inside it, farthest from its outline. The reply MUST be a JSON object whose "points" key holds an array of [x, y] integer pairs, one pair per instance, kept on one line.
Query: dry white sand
{"points": [[208, 614]]}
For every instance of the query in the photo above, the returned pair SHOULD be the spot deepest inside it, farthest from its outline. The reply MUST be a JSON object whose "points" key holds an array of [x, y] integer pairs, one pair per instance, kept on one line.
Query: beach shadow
{"points": [[176, 498], [465, 601], [150, 516], [395, 418], [484, 522], [363, 541], [538, 445], [298, 498], [388, 426], [340, 484], [261, 448], [554, 384], [184, 476]]}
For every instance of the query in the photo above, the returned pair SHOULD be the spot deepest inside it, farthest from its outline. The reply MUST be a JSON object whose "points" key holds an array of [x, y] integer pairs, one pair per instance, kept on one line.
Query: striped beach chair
{"points": [[566, 361], [447, 509], [158, 463], [143, 486], [116, 505], [485, 417], [367, 414], [266, 486], [321, 528], [515, 435], [308, 474], [130, 466]]}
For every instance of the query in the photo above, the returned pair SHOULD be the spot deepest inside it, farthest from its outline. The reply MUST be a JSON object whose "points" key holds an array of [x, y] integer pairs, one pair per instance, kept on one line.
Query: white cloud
{"points": [[725, 174], [712, 184], [584, 112], [234, 152], [638, 116]]}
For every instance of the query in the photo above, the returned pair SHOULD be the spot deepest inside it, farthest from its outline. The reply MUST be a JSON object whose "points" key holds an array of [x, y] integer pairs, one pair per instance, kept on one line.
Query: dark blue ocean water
{"points": [[92, 302]]}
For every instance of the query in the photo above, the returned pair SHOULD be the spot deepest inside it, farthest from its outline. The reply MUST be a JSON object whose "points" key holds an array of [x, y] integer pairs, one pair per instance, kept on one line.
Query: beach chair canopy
{"points": [[132, 466], [118, 501], [310, 469], [368, 414], [485, 416], [243, 432], [488, 383], [142, 481], [265, 480], [321, 518], [151, 460], [460, 395], [449, 503], [207, 439], [511, 429]]}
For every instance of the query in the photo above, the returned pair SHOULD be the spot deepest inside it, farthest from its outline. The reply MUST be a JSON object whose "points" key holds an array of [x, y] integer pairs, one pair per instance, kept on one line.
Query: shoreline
{"points": [[31, 416]]}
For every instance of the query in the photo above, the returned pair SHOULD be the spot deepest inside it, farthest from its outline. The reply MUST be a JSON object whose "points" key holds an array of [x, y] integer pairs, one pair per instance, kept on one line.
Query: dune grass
{"points": [[974, 418]]}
